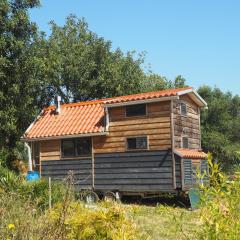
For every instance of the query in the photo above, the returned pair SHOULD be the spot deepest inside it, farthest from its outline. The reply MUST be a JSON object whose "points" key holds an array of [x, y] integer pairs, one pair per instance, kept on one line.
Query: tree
{"points": [[82, 66], [179, 82], [221, 125], [18, 82]]}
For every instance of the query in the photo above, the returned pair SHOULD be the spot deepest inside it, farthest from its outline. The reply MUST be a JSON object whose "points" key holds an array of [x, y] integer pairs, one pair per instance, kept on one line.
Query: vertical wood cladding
{"points": [[155, 125], [178, 172], [187, 125], [134, 171]]}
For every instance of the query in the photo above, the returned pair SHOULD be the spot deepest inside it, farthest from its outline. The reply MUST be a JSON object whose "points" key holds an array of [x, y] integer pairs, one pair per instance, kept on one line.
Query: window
{"points": [[137, 143], [68, 148], [76, 147], [183, 108], [184, 142], [136, 110], [83, 146]]}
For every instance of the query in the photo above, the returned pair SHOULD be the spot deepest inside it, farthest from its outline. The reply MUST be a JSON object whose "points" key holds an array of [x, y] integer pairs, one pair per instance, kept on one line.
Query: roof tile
{"points": [[189, 153], [83, 117]]}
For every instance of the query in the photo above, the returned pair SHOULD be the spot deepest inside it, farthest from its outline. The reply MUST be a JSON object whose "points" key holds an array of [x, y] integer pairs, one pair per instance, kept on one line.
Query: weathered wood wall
{"points": [[178, 171], [50, 150], [134, 171], [58, 170], [187, 125], [155, 125]]}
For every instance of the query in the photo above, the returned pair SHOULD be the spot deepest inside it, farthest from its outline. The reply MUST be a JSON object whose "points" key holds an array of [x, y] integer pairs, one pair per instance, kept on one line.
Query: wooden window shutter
{"points": [[187, 166]]}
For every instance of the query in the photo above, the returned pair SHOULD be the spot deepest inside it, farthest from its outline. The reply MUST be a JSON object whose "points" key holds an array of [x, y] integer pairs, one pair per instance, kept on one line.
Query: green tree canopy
{"points": [[18, 84], [82, 66], [221, 125], [77, 64]]}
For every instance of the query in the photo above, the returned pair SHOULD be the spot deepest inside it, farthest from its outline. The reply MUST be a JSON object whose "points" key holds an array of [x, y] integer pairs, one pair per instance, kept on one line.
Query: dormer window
{"points": [[185, 142], [183, 109], [136, 110]]}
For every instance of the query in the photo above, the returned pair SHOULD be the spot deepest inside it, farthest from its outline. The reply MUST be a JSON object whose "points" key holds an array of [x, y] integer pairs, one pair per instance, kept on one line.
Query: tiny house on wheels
{"points": [[145, 143]]}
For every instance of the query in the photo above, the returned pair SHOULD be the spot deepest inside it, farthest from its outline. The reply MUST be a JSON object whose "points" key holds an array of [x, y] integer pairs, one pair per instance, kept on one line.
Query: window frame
{"points": [[182, 142], [136, 149], [136, 116], [183, 114], [75, 148]]}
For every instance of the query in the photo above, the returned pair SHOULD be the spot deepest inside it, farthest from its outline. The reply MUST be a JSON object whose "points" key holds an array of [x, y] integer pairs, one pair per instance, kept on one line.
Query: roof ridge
{"points": [[103, 100]]}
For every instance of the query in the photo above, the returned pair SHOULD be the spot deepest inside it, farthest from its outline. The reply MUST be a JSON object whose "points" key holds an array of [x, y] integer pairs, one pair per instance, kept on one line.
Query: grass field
{"points": [[165, 221]]}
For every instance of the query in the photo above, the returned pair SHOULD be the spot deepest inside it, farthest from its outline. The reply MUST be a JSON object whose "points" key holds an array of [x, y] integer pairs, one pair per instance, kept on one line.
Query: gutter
{"points": [[64, 137]]}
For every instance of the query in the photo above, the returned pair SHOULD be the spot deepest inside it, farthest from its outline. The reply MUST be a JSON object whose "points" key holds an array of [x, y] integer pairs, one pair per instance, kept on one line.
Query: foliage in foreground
{"points": [[69, 219], [220, 211]]}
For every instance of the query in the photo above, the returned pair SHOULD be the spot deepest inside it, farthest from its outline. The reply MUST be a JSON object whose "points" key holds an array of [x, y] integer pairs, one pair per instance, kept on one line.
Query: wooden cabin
{"points": [[143, 143]]}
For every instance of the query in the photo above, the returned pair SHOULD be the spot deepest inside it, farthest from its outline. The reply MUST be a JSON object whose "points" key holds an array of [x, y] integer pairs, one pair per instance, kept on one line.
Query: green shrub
{"points": [[21, 219], [220, 212], [9, 180], [107, 222]]}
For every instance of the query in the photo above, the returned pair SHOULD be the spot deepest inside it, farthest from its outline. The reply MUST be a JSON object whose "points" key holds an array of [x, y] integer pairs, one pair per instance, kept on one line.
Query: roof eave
{"points": [[198, 99], [133, 102], [26, 139]]}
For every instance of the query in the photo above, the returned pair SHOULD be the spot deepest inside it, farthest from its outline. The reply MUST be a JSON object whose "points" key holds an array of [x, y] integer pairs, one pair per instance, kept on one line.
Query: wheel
{"points": [[110, 197], [91, 197]]}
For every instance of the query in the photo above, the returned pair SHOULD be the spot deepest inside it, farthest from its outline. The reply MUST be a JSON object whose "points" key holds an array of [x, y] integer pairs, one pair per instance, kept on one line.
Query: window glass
{"points": [[137, 143], [141, 143], [185, 142], [183, 108], [131, 143], [83, 146], [136, 110], [68, 148], [76, 147]]}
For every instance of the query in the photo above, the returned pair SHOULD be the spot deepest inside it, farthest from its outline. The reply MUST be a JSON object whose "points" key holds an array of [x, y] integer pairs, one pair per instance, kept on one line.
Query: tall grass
{"points": [[25, 213], [220, 211]]}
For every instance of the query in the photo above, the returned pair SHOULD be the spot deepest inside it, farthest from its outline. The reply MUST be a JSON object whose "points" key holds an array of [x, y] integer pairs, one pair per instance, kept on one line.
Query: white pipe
{"points": [[29, 157], [58, 110]]}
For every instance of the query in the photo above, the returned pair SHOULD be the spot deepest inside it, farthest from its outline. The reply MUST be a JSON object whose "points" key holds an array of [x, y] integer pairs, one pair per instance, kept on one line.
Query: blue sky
{"points": [[199, 40]]}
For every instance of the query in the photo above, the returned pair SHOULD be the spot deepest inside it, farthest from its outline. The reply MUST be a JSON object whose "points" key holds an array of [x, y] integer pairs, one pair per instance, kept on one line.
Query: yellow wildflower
{"points": [[11, 226]]}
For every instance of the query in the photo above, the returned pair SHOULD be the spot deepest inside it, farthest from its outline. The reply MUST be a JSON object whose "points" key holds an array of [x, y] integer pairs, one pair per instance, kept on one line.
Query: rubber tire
{"points": [[91, 197], [110, 197]]}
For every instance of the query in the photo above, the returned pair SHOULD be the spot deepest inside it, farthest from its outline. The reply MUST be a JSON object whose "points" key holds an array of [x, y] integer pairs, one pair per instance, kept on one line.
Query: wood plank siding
{"points": [[50, 150], [187, 125], [112, 167], [80, 168], [155, 125], [134, 171]]}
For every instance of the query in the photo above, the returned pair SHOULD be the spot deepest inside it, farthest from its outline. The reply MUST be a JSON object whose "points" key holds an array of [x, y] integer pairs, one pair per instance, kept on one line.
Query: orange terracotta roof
{"points": [[189, 153], [74, 119], [147, 95], [83, 117]]}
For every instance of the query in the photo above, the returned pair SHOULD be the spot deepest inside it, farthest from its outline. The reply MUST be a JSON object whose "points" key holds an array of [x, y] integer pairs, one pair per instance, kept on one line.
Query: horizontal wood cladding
{"points": [[187, 125], [153, 109], [155, 125], [134, 171], [50, 150], [59, 170]]}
